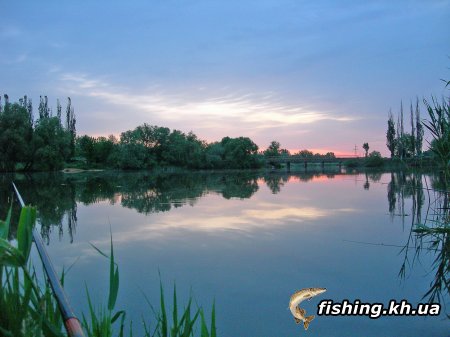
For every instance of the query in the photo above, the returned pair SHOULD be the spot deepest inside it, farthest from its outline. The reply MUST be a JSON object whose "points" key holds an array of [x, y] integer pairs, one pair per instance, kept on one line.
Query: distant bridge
{"points": [[295, 159]]}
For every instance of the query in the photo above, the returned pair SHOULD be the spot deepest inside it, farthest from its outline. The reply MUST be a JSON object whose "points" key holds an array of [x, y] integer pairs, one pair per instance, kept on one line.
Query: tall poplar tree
{"points": [[402, 131], [413, 131], [58, 110], [44, 110], [419, 130], [70, 125], [390, 135]]}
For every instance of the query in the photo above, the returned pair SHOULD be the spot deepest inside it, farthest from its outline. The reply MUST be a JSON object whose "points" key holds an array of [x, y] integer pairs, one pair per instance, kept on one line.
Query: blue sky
{"points": [[320, 75]]}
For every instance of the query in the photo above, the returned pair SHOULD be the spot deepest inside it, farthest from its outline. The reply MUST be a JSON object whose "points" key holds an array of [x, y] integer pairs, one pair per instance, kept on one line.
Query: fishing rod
{"points": [[71, 322]]}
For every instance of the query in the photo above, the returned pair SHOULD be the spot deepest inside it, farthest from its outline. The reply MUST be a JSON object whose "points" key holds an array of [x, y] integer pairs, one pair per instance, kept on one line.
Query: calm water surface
{"points": [[247, 241]]}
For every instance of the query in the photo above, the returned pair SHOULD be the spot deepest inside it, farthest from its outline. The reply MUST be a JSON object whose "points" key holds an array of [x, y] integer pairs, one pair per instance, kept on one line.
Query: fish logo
{"points": [[298, 297]]}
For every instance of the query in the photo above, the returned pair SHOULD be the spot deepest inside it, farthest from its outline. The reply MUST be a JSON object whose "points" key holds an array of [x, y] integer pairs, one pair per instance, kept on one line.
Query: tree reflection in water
{"points": [[52, 193], [429, 228], [56, 196]]}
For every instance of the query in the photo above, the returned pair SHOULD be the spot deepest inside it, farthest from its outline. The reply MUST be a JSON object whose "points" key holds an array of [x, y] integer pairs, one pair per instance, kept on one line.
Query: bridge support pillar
{"points": [[323, 165], [306, 164], [288, 166]]}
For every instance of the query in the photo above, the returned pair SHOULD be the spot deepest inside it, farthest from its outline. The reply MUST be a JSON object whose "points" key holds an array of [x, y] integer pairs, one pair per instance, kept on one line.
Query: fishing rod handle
{"points": [[73, 327]]}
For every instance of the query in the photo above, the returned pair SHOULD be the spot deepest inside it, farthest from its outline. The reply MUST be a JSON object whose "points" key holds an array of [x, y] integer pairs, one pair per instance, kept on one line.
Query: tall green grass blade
{"points": [[24, 230], [26, 298], [122, 322], [146, 330], [189, 325], [186, 315], [10, 255], [113, 280], [175, 312], [117, 315], [204, 329], [49, 329], [187, 319], [99, 251], [213, 320], [4, 225], [163, 317]]}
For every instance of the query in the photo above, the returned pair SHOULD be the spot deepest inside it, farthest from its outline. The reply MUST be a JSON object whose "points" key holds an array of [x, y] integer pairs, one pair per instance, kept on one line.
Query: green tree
{"points": [[51, 144], [196, 151], [70, 127], [390, 135], [401, 151], [214, 155], [86, 147], [374, 159], [419, 130], [366, 148], [305, 154], [154, 138], [41, 145], [183, 150], [136, 149], [16, 131], [133, 156], [103, 148], [44, 109], [273, 150], [284, 152], [413, 130], [240, 152], [407, 148]]}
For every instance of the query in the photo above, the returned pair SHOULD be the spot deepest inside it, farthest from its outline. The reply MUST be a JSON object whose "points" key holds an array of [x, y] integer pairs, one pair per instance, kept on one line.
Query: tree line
{"points": [[275, 150], [49, 143], [43, 144], [149, 146], [402, 144]]}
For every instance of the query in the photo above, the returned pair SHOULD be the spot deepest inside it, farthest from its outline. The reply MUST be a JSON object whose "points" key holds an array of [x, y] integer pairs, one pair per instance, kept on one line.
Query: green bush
{"points": [[374, 159], [352, 164]]}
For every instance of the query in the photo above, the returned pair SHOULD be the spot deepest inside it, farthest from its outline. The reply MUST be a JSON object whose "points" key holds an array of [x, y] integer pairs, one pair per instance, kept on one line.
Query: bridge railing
{"points": [[297, 158]]}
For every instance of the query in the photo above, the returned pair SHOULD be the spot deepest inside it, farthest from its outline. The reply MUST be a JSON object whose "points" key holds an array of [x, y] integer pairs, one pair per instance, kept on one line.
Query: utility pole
{"points": [[355, 151]]}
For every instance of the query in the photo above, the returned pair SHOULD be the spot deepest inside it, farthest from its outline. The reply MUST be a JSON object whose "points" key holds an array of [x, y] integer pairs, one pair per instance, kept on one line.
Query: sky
{"points": [[319, 75]]}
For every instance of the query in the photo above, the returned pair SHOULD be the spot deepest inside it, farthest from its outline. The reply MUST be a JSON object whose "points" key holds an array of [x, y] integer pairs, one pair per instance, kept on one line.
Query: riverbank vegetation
{"points": [[48, 144], [400, 143], [149, 147], [43, 144], [433, 232]]}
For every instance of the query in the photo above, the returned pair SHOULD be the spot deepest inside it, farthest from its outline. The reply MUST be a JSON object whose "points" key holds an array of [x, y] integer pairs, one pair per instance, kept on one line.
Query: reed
{"points": [[184, 323], [435, 231], [26, 308]]}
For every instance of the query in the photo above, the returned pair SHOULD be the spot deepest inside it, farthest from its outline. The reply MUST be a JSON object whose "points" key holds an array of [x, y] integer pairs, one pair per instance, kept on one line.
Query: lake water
{"points": [[247, 241]]}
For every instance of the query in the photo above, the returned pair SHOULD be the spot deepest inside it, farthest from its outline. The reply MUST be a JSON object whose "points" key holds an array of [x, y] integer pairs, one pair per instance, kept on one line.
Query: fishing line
{"points": [[386, 245]]}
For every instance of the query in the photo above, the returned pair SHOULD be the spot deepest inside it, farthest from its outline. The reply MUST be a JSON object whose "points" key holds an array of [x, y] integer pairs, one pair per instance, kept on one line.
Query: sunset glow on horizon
{"points": [[319, 75]]}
